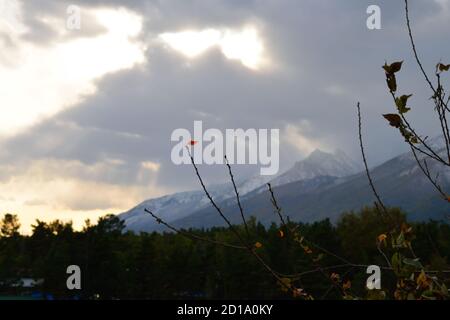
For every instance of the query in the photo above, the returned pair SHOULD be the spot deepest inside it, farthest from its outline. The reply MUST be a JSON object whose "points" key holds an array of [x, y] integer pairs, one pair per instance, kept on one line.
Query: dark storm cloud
{"points": [[326, 59]]}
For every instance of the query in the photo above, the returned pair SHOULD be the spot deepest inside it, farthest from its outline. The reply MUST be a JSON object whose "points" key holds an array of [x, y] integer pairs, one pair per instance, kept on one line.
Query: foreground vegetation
{"points": [[124, 265]]}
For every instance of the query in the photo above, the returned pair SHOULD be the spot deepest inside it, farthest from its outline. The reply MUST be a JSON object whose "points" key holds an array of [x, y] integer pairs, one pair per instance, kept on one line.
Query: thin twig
{"points": [[211, 200], [426, 171], [442, 115], [250, 248], [416, 55], [332, 286], [384, 256], [361, 144], [437, 94], [338, 266], [276, 206], [191, 235], [292, 231], [238, 199]]}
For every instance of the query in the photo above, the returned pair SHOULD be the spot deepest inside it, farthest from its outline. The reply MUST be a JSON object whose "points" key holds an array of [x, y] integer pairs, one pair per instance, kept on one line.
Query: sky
{"points": [[87, 114]]}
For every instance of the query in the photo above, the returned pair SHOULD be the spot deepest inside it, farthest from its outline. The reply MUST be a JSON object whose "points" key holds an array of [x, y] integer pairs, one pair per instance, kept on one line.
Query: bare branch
{"points": [[372, 186], [250, 248], [384, 255], [211, 200], [238, 199], [293, 231], [276, 206], [442, 110], [191, 235], [426, 171], [413, 44]]}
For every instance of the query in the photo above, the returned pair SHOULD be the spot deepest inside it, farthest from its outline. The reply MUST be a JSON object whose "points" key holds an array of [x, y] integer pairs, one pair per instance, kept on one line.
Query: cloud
{"points": [[60, 75], [151, 166], [445, 4], [295, 135], [35, 202], [107, 119], [243, 45], [46, 189], [336, 90]]}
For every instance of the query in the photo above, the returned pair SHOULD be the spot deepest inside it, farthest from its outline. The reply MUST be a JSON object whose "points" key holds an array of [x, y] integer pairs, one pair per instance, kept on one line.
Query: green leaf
{"points": [[444, 290], [396, 262], [414, 140], [285, 283], [428, 295], [408, 135], [319, 257], [413, 262], [400, 241], [387, 68], [401, 103], [394, 119]]}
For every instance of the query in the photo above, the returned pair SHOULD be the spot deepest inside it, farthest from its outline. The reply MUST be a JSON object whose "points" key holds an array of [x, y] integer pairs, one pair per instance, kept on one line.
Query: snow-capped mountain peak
{"points": [[180, 205], [319, 163]]}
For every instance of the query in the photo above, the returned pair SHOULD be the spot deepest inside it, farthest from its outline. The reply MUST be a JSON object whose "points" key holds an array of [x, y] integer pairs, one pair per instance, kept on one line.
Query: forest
{"points": [[117, 264]]}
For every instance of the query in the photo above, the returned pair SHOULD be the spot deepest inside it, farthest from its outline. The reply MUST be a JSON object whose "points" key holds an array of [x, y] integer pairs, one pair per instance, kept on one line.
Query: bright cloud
{"points": [[151, 166], [62, 189], [42, 80], [296, 137], [243, 45]]}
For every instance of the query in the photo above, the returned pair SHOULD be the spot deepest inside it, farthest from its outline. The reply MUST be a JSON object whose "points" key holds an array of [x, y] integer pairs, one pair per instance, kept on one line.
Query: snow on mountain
{"points": [[406, 164], [171, 207], [399, 181], [317, 164], [253, 183], [180, 205], [437, 143]]}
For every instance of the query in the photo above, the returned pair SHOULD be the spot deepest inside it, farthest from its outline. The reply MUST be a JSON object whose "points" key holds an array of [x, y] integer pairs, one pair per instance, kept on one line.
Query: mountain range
{"points": [[323, 185]]}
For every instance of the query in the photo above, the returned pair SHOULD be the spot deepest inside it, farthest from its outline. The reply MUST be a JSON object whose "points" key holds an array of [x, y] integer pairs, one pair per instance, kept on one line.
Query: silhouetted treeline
{"points": [[124, 265]]}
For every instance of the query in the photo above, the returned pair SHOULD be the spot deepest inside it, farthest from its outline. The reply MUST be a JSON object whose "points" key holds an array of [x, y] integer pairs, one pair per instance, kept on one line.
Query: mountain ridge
{"points": [[398, 180], [178, 206]]}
